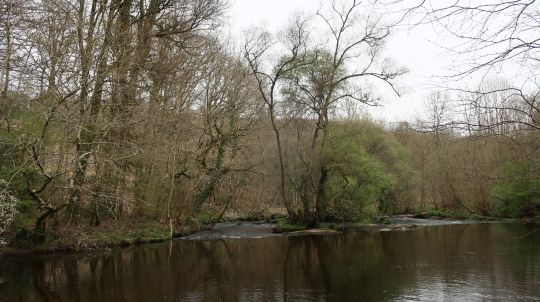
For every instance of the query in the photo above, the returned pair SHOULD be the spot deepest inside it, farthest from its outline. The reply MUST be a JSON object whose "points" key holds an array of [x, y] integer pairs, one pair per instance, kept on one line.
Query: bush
{"points": [[367, 166], [8, 207], [518, 191]]}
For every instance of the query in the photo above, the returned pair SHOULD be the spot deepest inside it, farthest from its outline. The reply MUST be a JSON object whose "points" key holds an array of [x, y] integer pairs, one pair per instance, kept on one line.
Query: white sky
{"points": [[413, 49]]}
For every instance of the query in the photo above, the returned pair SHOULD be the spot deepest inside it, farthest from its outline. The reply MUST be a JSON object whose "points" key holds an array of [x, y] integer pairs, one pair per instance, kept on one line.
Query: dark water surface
{"points": [[466, 262]]}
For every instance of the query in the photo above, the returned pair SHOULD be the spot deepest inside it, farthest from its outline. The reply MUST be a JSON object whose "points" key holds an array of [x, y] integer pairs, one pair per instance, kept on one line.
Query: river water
{"points": [[462, 262]]}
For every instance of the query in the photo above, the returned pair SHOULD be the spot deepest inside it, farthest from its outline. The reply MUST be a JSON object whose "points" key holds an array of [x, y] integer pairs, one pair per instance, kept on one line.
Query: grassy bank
{"points": [[83, 237], [284, 226]]}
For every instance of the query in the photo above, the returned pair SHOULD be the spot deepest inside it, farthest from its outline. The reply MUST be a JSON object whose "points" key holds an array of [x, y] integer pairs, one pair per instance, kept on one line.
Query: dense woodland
{"points": [[116, 112]]}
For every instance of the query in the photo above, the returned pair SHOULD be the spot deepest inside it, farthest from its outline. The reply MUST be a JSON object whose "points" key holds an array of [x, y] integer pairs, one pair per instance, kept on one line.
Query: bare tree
{"points": [[332, 76], [497, 108], [489, 32], [87, 73], [268, 80], [490, 35], [11, 23]]}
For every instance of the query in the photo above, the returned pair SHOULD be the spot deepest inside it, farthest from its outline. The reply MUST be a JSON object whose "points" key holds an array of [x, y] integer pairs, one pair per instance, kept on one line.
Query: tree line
{"points": [[122, 110]]}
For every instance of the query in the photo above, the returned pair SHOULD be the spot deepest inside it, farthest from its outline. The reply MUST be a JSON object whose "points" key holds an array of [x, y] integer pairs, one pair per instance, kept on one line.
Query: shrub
{"points": [[8, 207], [518, 190], [367, 168]]}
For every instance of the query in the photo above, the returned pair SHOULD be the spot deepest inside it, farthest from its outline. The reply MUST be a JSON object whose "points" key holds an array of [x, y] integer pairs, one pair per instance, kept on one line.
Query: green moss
{"points": [[361, 223], [284, 226], [450, 214]]}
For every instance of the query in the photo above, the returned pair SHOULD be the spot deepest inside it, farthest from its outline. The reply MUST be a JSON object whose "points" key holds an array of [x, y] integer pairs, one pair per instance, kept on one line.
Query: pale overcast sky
{"points": [[414, 48]]}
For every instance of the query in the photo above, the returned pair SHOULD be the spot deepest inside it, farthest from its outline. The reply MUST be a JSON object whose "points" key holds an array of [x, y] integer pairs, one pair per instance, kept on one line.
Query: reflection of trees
{"points": [[39, 282], [285, 275], [302, 269], [371, 266]]}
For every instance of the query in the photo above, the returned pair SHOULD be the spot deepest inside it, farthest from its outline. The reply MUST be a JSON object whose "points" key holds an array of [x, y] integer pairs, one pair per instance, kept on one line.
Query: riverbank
{"points": [[81, 238], [111, 235]]}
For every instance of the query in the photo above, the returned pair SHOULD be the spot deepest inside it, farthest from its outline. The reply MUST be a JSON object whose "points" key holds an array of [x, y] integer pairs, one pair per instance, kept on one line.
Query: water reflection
{"points": [[477, 262]]}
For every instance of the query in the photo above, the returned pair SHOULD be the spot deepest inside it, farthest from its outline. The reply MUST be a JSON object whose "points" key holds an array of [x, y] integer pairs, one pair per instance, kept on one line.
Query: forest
{"points": [[123, 120]]}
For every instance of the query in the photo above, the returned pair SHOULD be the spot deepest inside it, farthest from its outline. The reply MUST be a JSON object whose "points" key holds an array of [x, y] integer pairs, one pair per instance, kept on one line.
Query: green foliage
{"points": [[26, 119], [518, 191], [385, 220], [315, 74], [366, 164], [205, 217]]}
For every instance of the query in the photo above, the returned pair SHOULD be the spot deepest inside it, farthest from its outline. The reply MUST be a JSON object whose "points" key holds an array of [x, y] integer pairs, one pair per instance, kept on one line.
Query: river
{"points": [[460, 262]]}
